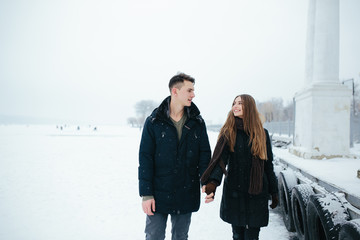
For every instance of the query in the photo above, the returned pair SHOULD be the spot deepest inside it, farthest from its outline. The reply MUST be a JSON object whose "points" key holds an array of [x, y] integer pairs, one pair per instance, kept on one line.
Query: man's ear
{"points": [[174, 91]]}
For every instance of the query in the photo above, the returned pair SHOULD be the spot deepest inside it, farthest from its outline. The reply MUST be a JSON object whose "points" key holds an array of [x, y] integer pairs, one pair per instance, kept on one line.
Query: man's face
{"points": [[186, 93]]}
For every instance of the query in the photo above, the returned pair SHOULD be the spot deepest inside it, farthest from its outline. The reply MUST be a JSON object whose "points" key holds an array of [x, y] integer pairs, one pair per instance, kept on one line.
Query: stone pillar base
{"points": [[322, 121]]}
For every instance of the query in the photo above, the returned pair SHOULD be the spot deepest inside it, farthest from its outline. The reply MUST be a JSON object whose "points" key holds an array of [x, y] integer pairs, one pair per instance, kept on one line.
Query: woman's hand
{"points": [[209, 189]]}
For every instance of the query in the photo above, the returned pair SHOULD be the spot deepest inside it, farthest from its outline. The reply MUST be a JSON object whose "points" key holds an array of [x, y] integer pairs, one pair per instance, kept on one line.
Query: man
{"points": [[174, 152]]}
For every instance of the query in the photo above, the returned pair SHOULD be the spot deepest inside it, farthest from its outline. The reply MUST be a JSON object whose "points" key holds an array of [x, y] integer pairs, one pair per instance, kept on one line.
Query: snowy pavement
{"points": [[82, 184]]}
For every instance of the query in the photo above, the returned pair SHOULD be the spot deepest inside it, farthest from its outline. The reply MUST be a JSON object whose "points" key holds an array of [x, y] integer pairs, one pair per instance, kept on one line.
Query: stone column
{"points": [[322, 120]]}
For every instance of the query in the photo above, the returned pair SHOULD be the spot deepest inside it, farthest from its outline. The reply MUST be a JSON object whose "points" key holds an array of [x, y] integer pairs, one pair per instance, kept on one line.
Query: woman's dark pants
{"points": [[245, 233]]}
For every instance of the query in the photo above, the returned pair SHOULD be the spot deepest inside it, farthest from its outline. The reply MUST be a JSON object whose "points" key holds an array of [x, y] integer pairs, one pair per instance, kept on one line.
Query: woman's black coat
{"points": [[238, 207], [170, 169]]}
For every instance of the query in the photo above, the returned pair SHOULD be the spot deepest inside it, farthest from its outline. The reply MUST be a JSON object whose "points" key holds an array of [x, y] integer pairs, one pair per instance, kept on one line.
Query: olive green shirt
{"points": [[179, 125]]}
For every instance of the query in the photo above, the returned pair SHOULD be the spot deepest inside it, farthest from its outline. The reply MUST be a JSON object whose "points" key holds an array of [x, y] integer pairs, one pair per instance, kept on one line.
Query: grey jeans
{"points": [[245, 233], [156, 225]]}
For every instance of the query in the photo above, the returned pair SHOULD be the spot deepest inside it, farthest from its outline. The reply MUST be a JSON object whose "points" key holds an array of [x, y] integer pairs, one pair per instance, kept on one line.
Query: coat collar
{"points": [[163, 111]]}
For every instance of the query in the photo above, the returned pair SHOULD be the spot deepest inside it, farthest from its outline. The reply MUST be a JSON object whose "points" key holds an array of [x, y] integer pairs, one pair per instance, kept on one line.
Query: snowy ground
{"points": [[82, 184]]}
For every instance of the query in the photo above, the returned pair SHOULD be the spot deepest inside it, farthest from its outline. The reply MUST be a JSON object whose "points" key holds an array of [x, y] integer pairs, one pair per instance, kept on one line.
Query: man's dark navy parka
{"points": [[170, 169]]}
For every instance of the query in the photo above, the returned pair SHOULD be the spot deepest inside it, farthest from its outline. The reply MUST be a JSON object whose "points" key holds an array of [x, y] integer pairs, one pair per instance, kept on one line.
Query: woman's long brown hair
{"points": [[252, 126]]}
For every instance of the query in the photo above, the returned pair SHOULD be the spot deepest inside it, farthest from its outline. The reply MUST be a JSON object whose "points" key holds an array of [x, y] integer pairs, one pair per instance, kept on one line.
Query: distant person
{"points": [[174, 153], [243, 147]]}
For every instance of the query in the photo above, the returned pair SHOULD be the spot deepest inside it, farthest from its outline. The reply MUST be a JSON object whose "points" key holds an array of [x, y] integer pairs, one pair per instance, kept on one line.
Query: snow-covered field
{"points": [[82, 184]]}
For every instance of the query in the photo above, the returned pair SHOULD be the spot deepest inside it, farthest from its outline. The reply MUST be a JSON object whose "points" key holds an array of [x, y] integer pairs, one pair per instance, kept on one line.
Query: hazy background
{"points": [[91, 61]]}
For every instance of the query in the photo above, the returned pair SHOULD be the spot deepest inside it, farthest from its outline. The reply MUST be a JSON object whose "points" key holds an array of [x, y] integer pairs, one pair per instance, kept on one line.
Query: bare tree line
{"points": [[356, 98], [273, 110], [143, 109]]}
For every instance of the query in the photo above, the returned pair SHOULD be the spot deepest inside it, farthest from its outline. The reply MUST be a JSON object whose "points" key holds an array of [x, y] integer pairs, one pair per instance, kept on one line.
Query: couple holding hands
{"points": [[175, 159]]}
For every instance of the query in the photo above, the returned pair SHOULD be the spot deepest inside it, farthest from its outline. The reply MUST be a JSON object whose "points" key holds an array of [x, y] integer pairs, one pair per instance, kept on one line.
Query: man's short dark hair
{"points": [[179, 79]]}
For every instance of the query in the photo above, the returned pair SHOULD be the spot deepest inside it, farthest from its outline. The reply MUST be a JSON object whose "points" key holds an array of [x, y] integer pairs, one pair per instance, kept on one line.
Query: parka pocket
{"points": [[163, 172], [193, 171], [163, 183]]}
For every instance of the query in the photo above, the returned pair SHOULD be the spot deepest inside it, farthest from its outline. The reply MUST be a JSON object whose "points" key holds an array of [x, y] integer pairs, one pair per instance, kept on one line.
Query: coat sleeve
{"points": [[269, 167], [146, 159], [217, 173], [205, 151]]}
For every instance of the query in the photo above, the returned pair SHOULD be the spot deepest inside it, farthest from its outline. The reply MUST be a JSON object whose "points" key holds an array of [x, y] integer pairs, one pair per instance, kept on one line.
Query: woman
{"points": [[243, 153]]}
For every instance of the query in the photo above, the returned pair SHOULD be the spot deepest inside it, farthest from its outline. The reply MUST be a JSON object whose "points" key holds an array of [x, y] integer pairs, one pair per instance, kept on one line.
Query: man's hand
{"points": [[209, 197], [149, 206]]}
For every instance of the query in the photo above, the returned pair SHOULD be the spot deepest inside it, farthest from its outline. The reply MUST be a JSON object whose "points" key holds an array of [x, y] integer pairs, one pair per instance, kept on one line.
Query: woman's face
{"points": [[237, 107]]}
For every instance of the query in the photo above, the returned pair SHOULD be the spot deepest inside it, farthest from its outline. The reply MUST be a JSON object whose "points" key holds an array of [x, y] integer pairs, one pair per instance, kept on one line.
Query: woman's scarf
{"points": [[257, 165]]}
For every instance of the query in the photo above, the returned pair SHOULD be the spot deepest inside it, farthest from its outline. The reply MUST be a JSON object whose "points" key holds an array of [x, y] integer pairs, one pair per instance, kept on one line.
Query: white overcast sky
{"points": [[93, 60]]}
